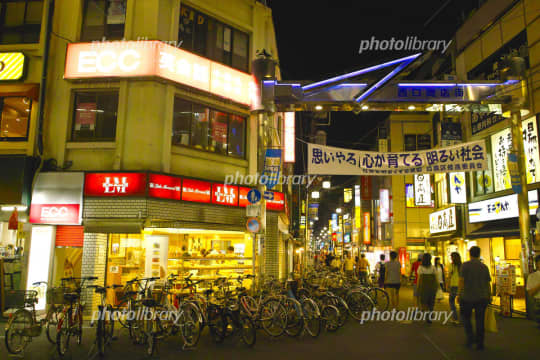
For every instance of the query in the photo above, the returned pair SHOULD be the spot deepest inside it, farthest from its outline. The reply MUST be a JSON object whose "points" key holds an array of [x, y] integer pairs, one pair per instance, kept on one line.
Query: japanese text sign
{"points": [[327, 160], [504, 207], [442, 221]]}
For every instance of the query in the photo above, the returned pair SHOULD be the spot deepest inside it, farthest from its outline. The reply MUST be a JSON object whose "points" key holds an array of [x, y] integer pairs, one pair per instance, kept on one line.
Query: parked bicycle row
{"points": [[153, 310]]}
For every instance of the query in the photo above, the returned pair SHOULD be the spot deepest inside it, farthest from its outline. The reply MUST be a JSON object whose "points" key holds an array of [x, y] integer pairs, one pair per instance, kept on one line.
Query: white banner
{"points": [[328, 160], [504, 207], [442, 221]]}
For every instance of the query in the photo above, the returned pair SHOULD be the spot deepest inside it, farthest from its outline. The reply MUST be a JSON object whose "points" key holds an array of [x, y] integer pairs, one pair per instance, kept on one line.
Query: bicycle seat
{"points": [[71, 296]]}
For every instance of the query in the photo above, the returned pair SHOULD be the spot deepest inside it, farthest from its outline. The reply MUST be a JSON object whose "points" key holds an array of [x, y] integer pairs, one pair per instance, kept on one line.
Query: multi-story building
{"points": [[147, 115]]}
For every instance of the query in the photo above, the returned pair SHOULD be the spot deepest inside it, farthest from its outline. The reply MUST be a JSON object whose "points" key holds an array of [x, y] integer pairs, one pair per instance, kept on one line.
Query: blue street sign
{"points": [[254, 196], [253, 225], [514, 172], [269, 195]]}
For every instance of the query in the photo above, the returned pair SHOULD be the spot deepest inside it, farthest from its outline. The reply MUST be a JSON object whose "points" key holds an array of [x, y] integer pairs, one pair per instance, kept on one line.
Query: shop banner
{"points": [[422, 190], [164, 186], [225, 194], [504, 207], [55, 214], [458, 189], [443, 221], [115, 184], [327, 160], [384, 204], [272, 167], [196, 190]]}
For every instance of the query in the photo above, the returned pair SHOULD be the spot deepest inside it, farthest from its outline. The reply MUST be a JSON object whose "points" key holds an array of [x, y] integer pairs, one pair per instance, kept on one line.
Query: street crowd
{"points": [[468, 284]]}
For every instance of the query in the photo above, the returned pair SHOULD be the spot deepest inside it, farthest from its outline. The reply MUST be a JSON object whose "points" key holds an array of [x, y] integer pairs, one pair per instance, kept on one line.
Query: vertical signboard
{"points": [[367, 228], [530, 147], [357, 211], [384, 204], [422, 190], [347, 195], [458, 189], [289, 137], [409, 195], [501, 144], [366, 187]]}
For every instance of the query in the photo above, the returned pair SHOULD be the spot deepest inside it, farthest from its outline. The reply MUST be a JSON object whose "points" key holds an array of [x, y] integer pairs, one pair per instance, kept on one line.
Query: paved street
{"points": [[515, 340]]}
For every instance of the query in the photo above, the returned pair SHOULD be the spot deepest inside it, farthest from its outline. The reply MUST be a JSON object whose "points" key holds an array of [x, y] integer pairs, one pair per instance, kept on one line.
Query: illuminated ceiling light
{"points": [[12, 207], [318, 107], [326, 184], [338, 210], [365, 107], [411, 107], [315, 195]]}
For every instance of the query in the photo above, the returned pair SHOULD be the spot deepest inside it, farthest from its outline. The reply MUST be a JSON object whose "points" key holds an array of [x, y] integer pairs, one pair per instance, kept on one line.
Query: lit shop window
{"points": [[206, 129], [95, 115], [104, 19], [20, 21], [213, 39], [15, 118]]}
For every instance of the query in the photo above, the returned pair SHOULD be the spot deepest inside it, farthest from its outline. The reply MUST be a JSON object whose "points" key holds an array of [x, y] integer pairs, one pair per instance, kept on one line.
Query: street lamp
{"points": [[338, 210], [315, 195], [326, 184]]}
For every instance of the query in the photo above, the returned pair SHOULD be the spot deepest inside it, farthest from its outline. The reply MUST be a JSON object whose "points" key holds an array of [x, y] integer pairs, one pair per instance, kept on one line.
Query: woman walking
{"points": [[392, 281], [439, 272], [427, 285], [454, 284]]}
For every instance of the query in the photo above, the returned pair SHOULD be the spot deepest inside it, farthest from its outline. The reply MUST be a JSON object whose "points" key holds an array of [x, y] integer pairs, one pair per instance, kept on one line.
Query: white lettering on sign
{"points": [[108, 61], [54, 212], [225, 195], [117, 186], [442, 221]]}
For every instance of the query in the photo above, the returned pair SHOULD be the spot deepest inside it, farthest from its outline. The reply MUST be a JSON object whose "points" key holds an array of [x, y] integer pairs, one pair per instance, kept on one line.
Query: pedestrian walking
{"points": [[392, 279], [439, 272], [380, 271], [474, 294], [414, 276], [363, 269], [348, 266], [427, 285], [454, 285], [533, 288]]}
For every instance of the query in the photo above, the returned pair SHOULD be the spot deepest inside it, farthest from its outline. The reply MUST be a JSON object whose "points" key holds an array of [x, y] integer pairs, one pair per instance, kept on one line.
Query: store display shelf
{"points": [[211, 258], [211, 267]]}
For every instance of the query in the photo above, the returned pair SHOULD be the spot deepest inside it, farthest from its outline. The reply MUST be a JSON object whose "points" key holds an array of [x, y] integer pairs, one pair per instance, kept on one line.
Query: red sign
{"points": [[115, 184], [164, 186], [242, 193], [404, 258], [365, 186], [334, 237], [367, 228], [55, 214], [278, 203], [196, 190], [225, 194]]}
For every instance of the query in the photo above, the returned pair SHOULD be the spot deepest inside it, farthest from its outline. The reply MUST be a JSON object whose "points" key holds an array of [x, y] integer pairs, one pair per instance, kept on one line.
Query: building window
{"points": [[207, 129], [104, 19], [95, 115], [413, 142], [213, 39], [15, 118], [20, 21]]}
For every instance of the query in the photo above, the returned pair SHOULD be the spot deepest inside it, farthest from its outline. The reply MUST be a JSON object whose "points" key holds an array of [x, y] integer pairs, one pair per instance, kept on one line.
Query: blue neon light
{"points": [[352, 84], [426, 85], [381, 82], [360, 72]]}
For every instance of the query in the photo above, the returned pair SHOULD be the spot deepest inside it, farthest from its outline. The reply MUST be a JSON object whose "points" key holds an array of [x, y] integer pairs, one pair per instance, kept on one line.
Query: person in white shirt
{"points": [[533, 287]]}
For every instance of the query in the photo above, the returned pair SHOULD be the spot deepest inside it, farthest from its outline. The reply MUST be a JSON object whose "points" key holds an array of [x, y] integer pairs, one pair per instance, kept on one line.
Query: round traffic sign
{"points": [[253, 225], [254, 196]]}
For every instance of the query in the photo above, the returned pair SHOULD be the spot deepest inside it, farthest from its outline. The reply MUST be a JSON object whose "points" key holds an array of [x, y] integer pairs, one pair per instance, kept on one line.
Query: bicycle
{"points": [[70, 321], [105, 320]]}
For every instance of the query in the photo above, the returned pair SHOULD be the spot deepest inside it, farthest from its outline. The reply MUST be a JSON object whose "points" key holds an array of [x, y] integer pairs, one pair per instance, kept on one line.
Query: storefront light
{"points": [[315, 194], [13, 207], [338, 210], [326, 185]]}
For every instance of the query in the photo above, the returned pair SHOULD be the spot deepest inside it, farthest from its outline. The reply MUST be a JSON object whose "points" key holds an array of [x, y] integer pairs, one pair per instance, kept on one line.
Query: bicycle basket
{"points": [[55, 296], [158, 294], [19, 298]]}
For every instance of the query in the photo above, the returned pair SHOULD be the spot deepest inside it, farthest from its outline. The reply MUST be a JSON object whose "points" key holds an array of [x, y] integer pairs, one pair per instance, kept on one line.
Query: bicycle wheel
{"points": [[218, 325], [18, 330], [152, 335], [359, 302], [63, 336], [78, 323], [312, 317], [380, 298], [248, 305], [100, 337], [190, 323], [343, 310], [51, 327], [295, 319], [273, 317], [248, 332], [330, 316]]}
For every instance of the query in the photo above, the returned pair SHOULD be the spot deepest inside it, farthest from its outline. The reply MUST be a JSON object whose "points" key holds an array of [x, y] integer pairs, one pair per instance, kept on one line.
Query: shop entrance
{"points": [[67, 263]]}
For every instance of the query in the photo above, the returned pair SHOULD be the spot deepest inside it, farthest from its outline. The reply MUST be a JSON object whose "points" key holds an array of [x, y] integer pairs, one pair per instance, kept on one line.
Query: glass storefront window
{"points": [[207, 129], [104, 19], [20, 21], [95, 116], [15, 118]]}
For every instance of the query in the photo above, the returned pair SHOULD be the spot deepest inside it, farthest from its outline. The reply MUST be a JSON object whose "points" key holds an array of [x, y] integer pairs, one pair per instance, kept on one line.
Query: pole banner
{"points": [[328, 160]]}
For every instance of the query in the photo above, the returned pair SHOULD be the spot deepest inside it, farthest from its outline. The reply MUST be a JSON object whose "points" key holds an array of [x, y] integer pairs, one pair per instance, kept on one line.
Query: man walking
{"points": [[474, 293], [414, 276], [363, 269]]}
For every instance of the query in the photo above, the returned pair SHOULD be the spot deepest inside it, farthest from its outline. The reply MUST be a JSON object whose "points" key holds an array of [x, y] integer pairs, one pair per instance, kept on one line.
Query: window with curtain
{"points": [[103, 19], [20, 21]]}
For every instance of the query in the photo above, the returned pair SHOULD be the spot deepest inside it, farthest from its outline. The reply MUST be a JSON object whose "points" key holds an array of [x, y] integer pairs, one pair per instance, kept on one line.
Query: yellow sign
{"points": [[11, 66]]}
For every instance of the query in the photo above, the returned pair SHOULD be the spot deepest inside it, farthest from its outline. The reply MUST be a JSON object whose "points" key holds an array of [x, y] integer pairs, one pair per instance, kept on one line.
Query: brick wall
{"points": [[93, 264], [101, 208], [271, 250]]}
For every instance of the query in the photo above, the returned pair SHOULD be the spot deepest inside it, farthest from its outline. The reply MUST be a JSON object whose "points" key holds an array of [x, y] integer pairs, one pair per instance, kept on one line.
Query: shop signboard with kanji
{"points": [[328, 160]]}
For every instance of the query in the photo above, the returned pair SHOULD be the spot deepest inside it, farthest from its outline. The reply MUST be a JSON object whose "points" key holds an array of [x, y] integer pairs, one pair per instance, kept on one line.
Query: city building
{"points": [[147, 111]]}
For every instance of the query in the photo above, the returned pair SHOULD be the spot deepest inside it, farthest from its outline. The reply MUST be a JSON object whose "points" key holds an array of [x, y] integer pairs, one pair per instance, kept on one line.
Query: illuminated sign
{"points": [[384, 204], [196, 190], [530, 147], [367, 229], [164, 186], [225, 194], [334, 221], [243, 196], [503, 207], [347, 195], [357, 209], [409, 195], [278, 203], [156, 59], [458, 188], [115, 184], [289, 137], [442, 221], [55, 214], [11, 66], [422, 190]]}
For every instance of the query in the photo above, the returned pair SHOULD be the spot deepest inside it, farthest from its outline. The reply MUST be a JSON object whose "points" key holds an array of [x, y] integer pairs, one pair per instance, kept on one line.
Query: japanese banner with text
{"points": [[327, 160]]}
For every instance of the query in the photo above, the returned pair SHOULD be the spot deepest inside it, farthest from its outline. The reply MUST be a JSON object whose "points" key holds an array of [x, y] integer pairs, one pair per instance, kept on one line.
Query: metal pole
{"points": [[523, 197]]}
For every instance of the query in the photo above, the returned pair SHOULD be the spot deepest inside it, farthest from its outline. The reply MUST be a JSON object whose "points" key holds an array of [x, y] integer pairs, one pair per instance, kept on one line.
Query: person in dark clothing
{"points": [[380, 270], [474, 294]]}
